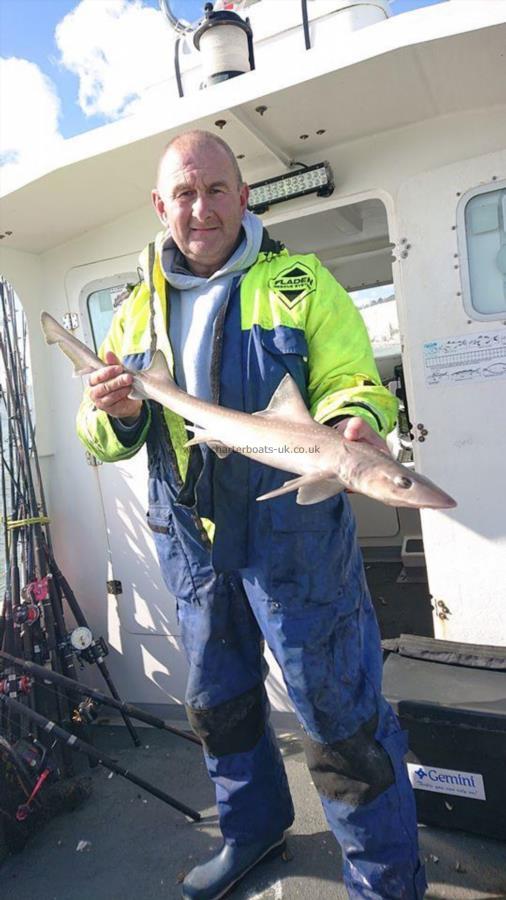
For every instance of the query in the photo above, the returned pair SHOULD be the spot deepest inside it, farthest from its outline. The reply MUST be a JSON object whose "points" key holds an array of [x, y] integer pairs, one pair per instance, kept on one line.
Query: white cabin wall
{"points": [[466, 442]]}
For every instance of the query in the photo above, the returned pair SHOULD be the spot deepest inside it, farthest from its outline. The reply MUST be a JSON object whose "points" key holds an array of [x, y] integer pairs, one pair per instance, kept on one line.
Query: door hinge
{"points": [[114, 587], [92, 460], [71, 321]]}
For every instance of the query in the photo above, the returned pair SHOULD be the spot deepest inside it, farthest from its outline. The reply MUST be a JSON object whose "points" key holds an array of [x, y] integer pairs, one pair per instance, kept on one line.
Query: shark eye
{"points": [[402, 481]]}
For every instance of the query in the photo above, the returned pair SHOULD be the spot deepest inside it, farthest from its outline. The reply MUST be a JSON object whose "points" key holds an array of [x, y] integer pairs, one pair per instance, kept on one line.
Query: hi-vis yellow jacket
{"points": [[286, 314]]}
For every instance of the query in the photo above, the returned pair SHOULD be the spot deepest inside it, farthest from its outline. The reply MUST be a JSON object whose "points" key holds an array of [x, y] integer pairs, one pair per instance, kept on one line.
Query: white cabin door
{"points": [[141, 627], [455, 368]]}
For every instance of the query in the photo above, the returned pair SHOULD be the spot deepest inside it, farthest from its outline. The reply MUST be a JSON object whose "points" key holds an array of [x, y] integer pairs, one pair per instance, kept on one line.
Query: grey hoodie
{"points": [[195, 303]]}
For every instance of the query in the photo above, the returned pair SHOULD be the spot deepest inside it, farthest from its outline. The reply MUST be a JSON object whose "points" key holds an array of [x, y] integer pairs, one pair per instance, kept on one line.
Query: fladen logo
{"points": [[293, 284]]}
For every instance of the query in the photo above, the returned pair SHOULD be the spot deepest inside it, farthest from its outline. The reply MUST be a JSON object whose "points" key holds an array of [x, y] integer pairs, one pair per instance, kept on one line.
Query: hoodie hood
{"points": [[173, 263]]}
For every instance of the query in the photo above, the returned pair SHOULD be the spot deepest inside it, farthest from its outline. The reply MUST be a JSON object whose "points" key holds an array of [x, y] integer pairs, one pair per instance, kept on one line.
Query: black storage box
{"points": [[451, 698]]}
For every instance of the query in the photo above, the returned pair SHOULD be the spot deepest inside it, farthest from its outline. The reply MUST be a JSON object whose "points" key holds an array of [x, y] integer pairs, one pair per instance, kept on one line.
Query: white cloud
{"points": [[118, 49], [29, 114]]}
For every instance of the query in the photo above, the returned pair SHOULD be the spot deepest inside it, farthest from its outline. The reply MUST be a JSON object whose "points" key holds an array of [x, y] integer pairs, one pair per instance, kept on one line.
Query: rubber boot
{"points": [[222, 872]]}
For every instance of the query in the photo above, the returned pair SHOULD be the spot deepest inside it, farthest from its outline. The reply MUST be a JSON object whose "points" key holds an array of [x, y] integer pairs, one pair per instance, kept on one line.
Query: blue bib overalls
{"points": [[292, 576]]}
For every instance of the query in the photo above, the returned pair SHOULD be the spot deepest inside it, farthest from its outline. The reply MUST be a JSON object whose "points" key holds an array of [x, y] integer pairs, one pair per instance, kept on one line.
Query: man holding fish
{"points": [[233, 314]]}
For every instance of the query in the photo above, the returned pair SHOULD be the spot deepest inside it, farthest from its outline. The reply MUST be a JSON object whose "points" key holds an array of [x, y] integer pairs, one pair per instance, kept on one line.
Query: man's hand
{"points": [[356, 429], [109, 389]]}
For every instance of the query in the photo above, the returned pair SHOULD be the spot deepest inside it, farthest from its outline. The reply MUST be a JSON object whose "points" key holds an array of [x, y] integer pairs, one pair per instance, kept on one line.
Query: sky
{"points": [[67, 66]]}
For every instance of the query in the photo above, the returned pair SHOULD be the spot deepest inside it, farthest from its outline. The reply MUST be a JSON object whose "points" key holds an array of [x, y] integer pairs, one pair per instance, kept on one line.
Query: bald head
{"points": [[198, 139]]}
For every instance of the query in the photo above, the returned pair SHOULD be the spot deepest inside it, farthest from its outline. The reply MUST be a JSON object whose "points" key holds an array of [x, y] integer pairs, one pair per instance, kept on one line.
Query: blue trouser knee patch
{"points": [[354, 770], [228, 708], [235, 726], [379, 838], [252, 793]]}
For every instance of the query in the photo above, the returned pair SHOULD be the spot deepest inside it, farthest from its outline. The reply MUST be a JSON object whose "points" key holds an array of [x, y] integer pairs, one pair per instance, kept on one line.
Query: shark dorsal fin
{"points": [[158, 369], [157, 374], [287, 403]]}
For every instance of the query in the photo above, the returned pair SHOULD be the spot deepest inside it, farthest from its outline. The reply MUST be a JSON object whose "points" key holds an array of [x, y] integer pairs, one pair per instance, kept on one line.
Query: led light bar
{"points": [[317, 179]]}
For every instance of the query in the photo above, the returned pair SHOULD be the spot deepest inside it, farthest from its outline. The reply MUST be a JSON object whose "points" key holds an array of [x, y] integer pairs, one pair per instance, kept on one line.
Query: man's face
{"points": [[199, 198]]}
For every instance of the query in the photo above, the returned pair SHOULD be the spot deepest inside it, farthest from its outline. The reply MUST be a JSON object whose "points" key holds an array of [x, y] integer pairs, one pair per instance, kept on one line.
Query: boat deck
{"points": [[140, 848]]}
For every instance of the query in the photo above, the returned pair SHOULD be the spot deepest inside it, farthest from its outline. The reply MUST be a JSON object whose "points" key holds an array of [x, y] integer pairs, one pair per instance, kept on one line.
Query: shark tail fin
{"points": [[55, 333]]}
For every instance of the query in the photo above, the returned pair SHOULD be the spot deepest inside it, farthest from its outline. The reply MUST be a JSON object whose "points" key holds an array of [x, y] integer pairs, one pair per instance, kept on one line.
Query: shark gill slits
{"points": [[402, 481]]}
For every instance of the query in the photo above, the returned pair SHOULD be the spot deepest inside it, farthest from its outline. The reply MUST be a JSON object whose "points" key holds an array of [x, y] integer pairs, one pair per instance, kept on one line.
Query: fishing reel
{"points": [[14, 685], [86, 713], [29, 612], [38, 589], [34, 755], [38, 760], [85, 646], [26, 614], [32, 766]]}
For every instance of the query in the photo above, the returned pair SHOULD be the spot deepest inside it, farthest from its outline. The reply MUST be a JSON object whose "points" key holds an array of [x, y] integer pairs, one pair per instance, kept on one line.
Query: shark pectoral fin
{"points": [[316, 491], [293, 485], [310, 488], [287, 403]]}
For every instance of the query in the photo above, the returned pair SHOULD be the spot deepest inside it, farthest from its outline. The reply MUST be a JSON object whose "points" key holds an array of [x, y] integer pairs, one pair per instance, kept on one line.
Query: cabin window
{"points": [[379, 311], [101, 306], [482, 240]]}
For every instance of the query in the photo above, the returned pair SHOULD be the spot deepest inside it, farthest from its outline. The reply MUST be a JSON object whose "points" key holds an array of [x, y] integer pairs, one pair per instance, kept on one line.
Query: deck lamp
{"points": [[317, 179], [226, 43]]}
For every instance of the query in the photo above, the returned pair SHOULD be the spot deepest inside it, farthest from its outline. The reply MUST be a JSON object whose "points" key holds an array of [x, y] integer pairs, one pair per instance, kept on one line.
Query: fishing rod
{"points": [[51, 584], [47, 598], [4, 498], [77, 688], [92, 650], [45, 586], [22, 369], [26, 511], [11, 638], [27, 496], [5, 533], [74, 743], [79, 642]]}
